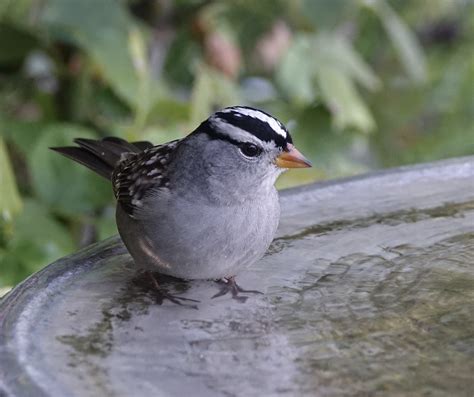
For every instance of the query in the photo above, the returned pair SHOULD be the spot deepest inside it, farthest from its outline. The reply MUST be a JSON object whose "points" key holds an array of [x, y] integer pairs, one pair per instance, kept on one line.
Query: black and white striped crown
{"points": [[253, 121]]}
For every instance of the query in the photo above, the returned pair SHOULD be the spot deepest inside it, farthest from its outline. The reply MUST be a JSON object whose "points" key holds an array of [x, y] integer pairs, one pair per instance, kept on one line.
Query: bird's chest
{"points": [[190, 239], [225, 229], [203, 238]]}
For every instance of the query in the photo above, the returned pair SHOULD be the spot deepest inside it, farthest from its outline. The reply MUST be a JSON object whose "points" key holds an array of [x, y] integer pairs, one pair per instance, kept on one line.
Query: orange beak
{"points": [[292, 158]]}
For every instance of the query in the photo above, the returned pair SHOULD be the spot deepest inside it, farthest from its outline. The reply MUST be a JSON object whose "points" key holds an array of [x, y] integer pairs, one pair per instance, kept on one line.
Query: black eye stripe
{"points": [[213, 134]]}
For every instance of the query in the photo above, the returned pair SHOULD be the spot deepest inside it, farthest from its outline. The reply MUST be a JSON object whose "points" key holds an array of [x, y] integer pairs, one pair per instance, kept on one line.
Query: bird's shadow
{"points": [[161, 288]]}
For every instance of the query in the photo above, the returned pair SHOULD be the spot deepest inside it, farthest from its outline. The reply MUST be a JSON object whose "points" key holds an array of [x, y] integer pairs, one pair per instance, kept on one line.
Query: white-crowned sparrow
{"points": [[201, 207]]}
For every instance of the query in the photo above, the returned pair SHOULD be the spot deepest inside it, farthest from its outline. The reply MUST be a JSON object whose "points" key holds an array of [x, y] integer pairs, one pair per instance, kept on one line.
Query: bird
{"points": [[201, 207]]}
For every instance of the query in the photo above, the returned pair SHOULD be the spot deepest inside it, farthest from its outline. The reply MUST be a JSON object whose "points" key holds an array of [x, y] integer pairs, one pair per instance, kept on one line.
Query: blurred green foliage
{"points": [[362, 84]]}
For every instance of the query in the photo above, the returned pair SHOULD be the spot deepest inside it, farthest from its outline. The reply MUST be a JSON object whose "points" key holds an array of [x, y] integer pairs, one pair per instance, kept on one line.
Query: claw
{"points": [[231, 286], [162, 295]]}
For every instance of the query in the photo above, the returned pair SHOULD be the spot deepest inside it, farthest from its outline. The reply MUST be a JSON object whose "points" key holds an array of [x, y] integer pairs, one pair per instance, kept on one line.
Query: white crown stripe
{"points": [[256, 114]]}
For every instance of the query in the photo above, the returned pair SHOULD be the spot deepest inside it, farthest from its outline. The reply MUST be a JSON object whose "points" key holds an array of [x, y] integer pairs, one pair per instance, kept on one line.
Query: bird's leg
{"points": [[162, 294], [229, 285]]}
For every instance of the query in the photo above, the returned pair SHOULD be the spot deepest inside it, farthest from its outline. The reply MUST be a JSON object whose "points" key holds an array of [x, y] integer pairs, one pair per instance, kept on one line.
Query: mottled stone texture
{"points": [[368, 291]]}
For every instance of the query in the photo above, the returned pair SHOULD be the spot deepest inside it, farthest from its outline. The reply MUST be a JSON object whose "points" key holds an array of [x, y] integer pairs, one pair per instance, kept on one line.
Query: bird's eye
{"points": [[250, 150]]}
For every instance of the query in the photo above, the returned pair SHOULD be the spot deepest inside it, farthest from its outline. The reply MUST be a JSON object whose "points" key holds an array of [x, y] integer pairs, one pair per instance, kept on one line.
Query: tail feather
{"points": [[86, 158], [121, 144], [109, 152], [142, 145], [101, 156]]}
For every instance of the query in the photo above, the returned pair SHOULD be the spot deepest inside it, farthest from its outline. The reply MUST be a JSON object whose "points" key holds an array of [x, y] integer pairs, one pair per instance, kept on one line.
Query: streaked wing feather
{"points": [[140, 172]]}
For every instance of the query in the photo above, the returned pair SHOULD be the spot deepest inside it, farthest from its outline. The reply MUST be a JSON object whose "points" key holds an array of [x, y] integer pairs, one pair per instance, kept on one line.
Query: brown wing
{"points": [[137, 173]]}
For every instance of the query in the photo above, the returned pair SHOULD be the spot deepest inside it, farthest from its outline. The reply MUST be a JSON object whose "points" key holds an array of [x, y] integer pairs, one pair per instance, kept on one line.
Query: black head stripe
{"points": [[208, 129], [259, 128]]}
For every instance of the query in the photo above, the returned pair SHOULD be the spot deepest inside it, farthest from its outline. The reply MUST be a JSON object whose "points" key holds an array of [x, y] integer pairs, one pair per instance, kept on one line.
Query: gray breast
{"points": [[193, 240]]}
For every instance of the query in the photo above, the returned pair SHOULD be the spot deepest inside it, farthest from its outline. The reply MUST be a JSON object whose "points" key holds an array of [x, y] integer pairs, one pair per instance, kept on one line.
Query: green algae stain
{"points": [[448, 210], [134, 298]]}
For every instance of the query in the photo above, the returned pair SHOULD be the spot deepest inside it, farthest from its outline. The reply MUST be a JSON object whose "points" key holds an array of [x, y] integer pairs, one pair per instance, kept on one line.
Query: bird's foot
{"points": [[229, 285], [161, 295]]}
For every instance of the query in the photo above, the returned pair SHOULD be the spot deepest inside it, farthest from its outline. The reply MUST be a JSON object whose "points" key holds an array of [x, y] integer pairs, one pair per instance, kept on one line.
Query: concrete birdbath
{"points": [[368, 290]]}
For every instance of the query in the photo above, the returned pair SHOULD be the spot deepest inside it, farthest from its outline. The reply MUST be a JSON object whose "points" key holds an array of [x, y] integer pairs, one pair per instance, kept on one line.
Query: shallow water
{"points": [[367, 291]]}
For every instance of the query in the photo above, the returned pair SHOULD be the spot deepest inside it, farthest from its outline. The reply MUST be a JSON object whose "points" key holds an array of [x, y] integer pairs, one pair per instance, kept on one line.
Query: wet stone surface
{"points": [[368, 290]]}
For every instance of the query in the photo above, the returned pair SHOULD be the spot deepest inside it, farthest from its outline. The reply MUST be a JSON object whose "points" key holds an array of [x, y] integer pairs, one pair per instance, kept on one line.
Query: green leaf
{"points": [[405, 43], [148, 90], [109, 35], [15, 10], [24, 134], [177, 66], [37, 240], [211, 90], [169, 111], [327, 14], [338, 53], [159, 135], [10, 200], [296, 72], [15, 43], [329, 152], [67, 187], [327, 65], [340, 95]]}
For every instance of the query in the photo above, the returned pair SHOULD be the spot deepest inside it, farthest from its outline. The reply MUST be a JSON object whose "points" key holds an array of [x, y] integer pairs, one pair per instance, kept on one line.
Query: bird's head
{"points": [[244, 148]]}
